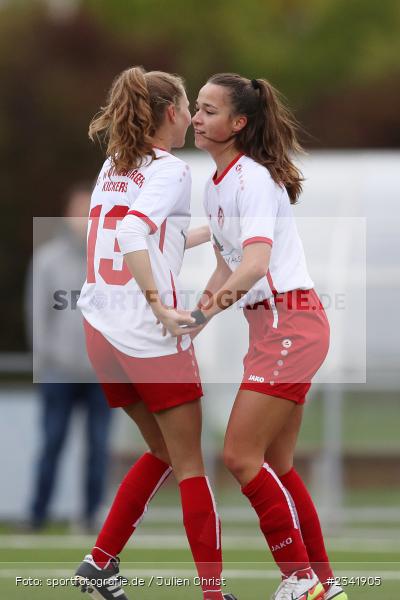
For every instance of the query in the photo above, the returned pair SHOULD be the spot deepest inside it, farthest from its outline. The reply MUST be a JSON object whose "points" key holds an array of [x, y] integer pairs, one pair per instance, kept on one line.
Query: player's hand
{"points": [[195, 330], [175, 321]]}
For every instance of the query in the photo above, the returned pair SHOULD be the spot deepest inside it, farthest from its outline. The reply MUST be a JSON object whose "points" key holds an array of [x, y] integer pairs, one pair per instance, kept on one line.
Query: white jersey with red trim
{"points": [[111, 301], [244, 206]]}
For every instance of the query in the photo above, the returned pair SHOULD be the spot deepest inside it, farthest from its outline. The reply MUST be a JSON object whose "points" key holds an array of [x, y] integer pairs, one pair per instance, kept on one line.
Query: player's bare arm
{"points": [[140, 266], [197, 236], [221, 273], [254, 265]]}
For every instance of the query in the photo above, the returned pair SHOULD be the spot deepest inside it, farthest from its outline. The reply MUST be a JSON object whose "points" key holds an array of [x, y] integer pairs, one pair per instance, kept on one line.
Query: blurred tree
{"points": [[54, 75], [336, 61], [307, 48]]}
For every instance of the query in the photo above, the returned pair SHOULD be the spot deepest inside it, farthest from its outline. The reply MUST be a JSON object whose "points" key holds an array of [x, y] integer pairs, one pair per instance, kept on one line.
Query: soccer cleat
{"points": [[292, 588], [102, 584], [229, 597], [335, 591]]}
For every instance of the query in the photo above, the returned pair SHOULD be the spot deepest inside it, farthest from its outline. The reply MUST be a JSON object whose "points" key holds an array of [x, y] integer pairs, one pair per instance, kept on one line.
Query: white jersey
{"points": [[111, 301], [244, 205]]}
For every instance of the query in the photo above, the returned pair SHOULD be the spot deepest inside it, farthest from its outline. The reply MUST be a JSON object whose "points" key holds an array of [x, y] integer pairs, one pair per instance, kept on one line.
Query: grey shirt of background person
{"points": [[55, 277]]}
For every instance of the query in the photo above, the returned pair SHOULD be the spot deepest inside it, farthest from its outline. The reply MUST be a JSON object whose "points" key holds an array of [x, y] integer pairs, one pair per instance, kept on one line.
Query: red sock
{"points": [[278, 521], [130, 503], [203, 530], [309, 525]]}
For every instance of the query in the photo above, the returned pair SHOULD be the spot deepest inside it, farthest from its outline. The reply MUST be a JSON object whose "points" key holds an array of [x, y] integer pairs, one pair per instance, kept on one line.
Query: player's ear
{"points": [[171, 113], [238, 123]]}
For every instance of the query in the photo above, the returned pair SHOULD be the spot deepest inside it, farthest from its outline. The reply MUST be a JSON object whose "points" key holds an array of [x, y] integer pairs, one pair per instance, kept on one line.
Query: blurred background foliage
{"points": [[337, 61]]}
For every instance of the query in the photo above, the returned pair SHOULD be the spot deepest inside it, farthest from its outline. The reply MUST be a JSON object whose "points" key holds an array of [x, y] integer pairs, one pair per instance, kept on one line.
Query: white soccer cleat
{"points": [[293, 588], [335, 592]]}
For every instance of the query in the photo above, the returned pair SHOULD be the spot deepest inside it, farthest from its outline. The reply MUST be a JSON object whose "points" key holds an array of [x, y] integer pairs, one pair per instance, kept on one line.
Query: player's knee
{"points": [[235, 463]]}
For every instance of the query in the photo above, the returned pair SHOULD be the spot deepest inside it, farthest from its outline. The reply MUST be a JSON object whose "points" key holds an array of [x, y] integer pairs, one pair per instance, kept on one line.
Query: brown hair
{"points": [[134, 111], [270, 135]]}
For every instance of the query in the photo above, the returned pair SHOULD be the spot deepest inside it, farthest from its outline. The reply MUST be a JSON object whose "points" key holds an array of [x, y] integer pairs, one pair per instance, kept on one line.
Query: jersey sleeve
{"points": [[258, 203], [170, 182]]}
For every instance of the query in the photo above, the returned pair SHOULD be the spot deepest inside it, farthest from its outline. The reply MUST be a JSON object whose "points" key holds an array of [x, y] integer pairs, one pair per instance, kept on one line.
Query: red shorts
{"points": [[288, 342], [160, 382]]}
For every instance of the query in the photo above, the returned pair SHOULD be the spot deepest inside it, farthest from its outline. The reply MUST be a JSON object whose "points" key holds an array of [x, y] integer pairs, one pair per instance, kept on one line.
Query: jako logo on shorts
{"points": [[256, 378]]}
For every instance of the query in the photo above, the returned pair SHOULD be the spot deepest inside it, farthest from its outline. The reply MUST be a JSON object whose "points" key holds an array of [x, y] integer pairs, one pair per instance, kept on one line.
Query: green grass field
{"points": [[248, 568], [159, 549], [238, 574]]}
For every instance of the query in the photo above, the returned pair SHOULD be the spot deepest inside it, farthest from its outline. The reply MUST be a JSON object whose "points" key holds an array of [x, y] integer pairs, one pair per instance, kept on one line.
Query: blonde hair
{"points": [[135, 109]]}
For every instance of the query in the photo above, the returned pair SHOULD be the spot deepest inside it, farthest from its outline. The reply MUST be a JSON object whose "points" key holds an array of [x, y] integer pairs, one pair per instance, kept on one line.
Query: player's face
{"points": [[182, 123], [213, 122]]}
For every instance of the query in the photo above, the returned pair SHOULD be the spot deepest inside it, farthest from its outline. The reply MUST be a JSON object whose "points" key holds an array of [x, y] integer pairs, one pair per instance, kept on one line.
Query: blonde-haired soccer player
{"points": [[138, 223]]}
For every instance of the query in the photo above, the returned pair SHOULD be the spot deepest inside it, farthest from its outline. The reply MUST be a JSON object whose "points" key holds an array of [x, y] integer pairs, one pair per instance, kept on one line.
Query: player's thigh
{"points": [[279, 454], [149, 429], [181, 428], [255, 422]]}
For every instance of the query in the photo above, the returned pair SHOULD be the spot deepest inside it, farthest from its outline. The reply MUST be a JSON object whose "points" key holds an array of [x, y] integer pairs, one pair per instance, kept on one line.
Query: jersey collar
{"points": [[216, 179]]}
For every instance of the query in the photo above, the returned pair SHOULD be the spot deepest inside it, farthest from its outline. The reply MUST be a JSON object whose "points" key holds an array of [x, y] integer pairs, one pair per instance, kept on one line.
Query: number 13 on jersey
{"points": [[106, 265]]}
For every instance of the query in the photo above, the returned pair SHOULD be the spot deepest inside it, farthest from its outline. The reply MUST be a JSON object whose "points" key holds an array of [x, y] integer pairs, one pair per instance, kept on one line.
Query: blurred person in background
{"points": [[251, 135], [66, 379]]}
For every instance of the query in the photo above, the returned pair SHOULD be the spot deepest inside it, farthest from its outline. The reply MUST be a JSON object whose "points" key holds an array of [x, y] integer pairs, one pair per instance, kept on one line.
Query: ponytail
{"points": [[270, 134], [135, 109]]}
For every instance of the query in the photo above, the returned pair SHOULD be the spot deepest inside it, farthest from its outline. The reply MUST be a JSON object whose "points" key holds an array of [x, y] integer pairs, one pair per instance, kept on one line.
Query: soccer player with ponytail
{"points": [[246, 128], [137, 233]]}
